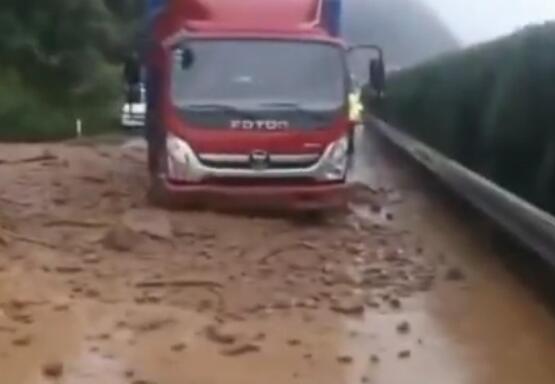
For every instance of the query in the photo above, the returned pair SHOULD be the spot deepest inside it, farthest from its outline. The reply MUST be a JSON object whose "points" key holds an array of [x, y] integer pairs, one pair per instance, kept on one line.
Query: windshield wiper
{"points": [[219, 107]]}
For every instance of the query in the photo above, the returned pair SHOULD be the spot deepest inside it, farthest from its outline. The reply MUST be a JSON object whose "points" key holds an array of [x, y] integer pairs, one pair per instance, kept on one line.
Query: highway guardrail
{"points": [[532, 226]]}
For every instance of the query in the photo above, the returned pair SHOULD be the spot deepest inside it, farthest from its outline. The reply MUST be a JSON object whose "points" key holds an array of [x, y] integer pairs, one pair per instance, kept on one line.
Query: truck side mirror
{"points": [[377, 75]]}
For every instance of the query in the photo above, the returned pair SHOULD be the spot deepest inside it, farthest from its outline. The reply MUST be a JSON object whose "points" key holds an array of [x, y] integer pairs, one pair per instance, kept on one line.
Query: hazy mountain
{"points": [[408, 30]]}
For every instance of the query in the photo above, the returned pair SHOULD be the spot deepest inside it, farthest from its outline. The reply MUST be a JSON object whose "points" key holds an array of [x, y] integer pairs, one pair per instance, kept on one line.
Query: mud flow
{"points": [[96, 286]]}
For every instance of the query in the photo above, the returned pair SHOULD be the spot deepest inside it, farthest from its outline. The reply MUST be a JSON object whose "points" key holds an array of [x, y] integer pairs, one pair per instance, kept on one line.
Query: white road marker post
{"points": [[79, 128]]}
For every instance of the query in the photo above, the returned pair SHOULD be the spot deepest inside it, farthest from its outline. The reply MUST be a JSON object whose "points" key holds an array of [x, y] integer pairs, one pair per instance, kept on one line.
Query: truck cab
{"points": [[248, 104]]}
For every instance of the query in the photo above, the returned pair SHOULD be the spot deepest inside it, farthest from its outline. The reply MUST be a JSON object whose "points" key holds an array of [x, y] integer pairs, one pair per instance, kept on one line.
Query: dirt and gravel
{"points": [[96, 286]]}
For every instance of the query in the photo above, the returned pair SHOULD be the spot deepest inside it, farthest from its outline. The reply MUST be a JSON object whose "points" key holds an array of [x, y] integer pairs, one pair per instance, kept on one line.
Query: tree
{"points": [[65, 55]]}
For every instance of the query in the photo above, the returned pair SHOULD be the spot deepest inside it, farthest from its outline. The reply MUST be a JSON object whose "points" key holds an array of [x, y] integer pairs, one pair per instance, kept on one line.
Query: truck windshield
{"points": [[260, 74]]}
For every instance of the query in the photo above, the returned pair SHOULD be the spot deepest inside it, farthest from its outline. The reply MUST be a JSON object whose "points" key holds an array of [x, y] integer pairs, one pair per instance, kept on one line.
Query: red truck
{"points": [[248, 104]]}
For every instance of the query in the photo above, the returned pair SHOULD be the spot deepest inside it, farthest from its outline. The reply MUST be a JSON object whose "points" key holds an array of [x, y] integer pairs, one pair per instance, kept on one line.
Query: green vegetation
{"points": [[491, 107], [59, 60]]}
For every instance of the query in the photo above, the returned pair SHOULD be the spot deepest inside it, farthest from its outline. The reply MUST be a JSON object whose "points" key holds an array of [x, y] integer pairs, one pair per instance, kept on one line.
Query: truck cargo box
{"points": [[256, 14]]}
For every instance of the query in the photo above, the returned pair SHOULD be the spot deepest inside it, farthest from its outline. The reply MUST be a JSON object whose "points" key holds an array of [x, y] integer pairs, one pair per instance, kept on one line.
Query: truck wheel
{"points": [[158, 195], [351, 148], [153, 159], [156, 149]]}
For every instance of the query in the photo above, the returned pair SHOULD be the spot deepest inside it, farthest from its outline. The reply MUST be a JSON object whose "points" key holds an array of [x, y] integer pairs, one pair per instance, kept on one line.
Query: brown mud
{"points": [[96, 286]]}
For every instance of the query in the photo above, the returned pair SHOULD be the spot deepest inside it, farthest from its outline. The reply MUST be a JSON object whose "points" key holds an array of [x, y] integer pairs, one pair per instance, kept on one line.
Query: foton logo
{"points": [[259, 125]]}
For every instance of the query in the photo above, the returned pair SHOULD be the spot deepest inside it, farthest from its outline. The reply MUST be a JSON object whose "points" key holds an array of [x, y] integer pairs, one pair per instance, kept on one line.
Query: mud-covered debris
{"points": [[352, 306], [328, 268], [353, 334], [375, 207], [370, 301], [374, 359], [359, 261], [102, 337], [60, 200], [217, 335], [364, 379], [345, 359], [153, 325], [349, 275], [308, 245], [22, 341], [4, 240], [76, 223], [45, 156], [309, 303], [178, 347], [185, 283], [152, 223], [6, 329], [294, 342], [455, 274], [355, 249], [18, 305], [120, 238], [241, 349], [389, 216], [95, 179], [92, 259], [23, 318], [395, 303], [403, 328], [53, 369], [308, 356], [30, 240], [282, 301], [395, 197], [261, 336], [91, 293], [129, 373], [308, 317], [290, 279], [69, 269], [142, 381], [404, 354]]}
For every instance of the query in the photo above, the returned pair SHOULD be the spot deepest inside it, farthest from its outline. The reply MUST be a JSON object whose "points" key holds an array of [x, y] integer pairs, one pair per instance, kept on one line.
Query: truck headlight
{"points": [[337, 160], [179, 156]]}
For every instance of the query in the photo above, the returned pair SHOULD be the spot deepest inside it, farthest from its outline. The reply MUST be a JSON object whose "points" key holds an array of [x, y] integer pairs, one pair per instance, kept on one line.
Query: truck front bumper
{"points": [[309, 197]]}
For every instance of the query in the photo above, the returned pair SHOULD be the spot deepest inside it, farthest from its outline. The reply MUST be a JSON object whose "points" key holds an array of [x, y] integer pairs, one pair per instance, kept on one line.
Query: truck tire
{"points": [[156, 149], [351, 148], [158, 195], [351, 151], [153, 159]]}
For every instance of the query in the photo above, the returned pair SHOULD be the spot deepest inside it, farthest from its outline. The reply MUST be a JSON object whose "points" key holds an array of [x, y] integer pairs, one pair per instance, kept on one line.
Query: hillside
{"points": [[408, 30]]}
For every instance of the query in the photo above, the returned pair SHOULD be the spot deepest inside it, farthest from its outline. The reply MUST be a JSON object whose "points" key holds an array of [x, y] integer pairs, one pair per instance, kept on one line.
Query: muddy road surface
{"points": [[96, 286]]}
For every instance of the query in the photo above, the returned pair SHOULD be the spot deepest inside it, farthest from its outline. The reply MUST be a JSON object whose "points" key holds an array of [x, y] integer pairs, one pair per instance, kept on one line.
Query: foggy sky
{"points": [[478, 20]]}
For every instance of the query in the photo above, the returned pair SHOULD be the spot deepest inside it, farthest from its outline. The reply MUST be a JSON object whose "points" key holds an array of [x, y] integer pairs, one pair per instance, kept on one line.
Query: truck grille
{"points": [[275, 161]]}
